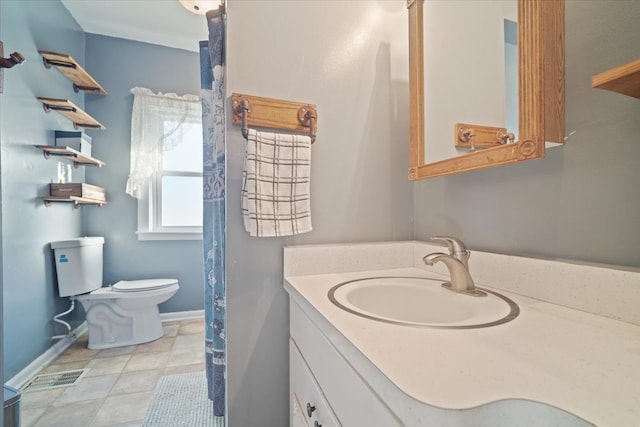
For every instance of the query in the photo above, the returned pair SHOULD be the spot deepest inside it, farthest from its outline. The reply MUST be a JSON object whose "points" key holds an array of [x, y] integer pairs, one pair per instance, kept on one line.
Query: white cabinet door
{"points": [[352, 400], [306, 396], [298, 418]]}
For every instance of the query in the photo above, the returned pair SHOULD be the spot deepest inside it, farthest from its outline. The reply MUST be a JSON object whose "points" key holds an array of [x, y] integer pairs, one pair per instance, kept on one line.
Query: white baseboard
{"points": [[31, 370], [182, 315], [46, 358]]}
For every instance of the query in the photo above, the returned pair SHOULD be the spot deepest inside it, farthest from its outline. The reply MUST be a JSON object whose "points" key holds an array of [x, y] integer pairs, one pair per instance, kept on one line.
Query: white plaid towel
{"points": [[275, 184]]}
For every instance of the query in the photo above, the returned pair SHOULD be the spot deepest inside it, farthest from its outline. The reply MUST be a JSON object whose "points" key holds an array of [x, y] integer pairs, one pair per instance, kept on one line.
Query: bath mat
{"points": [[181, 401]]}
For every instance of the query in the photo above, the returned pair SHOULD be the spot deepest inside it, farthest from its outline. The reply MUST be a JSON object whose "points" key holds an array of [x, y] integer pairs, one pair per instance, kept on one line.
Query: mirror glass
{"points": [[487, 63], [465, 42]]}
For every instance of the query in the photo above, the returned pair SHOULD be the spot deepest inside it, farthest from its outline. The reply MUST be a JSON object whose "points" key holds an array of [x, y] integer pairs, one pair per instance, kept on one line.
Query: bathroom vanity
{"points": [[554, 364]]}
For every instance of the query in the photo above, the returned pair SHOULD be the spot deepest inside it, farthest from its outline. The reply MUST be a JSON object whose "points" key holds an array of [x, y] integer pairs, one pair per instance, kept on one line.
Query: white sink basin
{"points": [[421, 302]]}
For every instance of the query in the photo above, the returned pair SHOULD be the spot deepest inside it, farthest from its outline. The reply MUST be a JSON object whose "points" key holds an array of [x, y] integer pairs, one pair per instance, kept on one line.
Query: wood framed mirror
{"points": [[540, 52]]}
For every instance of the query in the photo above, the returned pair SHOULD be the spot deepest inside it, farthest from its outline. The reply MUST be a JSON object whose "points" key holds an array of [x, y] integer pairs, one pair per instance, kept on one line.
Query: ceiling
{"points": [[163, 22]]}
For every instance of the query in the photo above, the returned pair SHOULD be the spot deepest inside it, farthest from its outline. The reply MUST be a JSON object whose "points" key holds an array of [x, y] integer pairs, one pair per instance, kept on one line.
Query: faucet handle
{"points": [[456, 246]]}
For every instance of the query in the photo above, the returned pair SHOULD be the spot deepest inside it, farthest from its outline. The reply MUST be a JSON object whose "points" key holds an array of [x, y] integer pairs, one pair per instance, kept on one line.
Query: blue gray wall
{"points": [[29, 289], [580, 202], [119, 65], [29, 292]]}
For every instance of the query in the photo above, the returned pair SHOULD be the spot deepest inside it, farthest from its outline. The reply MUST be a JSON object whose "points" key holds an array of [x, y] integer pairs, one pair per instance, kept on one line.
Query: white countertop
{"points": [[585, 364]]}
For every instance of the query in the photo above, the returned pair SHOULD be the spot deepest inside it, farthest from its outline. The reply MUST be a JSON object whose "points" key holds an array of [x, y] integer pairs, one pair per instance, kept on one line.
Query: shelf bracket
{"points": [[15, 58], [48, 108], [78, 117], [70, 154], [76, 203], [68, 66], [52, 62]]}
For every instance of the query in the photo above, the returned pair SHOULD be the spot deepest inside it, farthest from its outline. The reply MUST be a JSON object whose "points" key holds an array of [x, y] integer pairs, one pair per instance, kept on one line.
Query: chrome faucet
{"points": [[457, 249], [457, 262]]}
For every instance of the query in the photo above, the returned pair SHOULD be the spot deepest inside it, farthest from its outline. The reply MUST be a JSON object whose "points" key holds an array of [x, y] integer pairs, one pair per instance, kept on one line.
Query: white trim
{"points": [[168, 235], [42, 361], [146, 230], [182, 315], [45, 359]]}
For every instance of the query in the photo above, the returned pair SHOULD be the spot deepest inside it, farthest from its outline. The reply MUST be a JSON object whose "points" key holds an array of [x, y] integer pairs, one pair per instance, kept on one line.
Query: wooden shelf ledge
{"points": [[70, 154], [77, 201], [624, 79], [71, 112], [73, 71]]}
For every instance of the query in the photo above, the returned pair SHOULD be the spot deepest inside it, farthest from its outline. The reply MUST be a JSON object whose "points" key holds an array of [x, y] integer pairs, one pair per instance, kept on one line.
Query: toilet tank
{"points": [[78, 265]]}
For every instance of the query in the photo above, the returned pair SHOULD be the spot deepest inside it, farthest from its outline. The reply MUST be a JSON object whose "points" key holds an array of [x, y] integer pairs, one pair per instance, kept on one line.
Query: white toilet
{"points": [[125, 313]]}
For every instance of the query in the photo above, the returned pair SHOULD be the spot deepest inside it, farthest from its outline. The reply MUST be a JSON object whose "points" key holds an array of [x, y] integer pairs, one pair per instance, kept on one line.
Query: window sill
{"points": [[169, 235]]}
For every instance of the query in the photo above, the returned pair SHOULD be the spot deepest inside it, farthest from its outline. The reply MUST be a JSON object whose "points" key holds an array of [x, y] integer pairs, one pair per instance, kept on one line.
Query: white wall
{"points": [[335, 54]]}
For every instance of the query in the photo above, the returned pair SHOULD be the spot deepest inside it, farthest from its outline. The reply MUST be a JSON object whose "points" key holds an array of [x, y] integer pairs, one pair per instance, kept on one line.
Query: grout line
{"points": [[161, 372]]}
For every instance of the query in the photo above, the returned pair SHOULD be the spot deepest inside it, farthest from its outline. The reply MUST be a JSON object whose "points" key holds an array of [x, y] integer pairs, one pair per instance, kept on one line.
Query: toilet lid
{"points": [[142, 285]]}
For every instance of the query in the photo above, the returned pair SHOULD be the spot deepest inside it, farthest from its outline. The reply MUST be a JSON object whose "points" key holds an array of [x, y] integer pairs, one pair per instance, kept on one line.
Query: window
{"points": [[177, 186], [166, 166]]}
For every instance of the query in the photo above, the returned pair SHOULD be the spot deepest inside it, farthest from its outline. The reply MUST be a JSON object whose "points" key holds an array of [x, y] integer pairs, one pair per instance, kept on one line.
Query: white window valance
{"points": [[156, 127]]}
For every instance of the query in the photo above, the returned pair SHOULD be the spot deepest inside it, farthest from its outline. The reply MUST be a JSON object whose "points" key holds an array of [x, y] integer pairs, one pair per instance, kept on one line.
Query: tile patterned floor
{"points": [[120, 383]]}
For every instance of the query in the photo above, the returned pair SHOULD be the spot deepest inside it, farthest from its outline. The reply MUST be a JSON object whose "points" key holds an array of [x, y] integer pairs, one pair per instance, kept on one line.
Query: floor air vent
{"points": [[55, 380]]}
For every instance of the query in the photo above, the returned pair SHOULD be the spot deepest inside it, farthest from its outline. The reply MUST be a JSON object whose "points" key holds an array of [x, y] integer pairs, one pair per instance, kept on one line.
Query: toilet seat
{"points": [[142, 285]]}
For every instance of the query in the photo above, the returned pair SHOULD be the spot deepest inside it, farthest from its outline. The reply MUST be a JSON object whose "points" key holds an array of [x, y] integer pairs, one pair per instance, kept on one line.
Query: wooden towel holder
{"points": [[274, 113]]}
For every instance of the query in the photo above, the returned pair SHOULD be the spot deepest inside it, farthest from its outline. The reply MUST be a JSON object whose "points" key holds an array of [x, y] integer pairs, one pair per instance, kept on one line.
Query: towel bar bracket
{"points": [[242, 107], [307, 117]]}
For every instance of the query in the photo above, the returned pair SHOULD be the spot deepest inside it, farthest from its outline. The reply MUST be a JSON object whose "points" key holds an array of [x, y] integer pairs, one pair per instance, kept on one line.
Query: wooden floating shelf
{"points": [[77, 201], [73, 71], [624, 79], [70, 154], [72, 112]]}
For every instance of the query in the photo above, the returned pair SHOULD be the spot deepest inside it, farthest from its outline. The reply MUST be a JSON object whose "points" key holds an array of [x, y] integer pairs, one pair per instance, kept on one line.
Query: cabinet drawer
{"points": [[350, 397], [305, 393]]}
